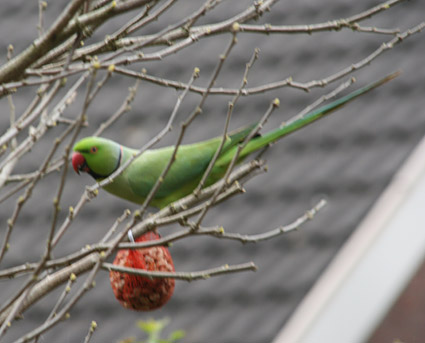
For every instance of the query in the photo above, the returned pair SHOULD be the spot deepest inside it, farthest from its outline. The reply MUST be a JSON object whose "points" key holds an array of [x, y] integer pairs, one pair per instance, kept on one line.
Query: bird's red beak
{"points": [[78, 162]]}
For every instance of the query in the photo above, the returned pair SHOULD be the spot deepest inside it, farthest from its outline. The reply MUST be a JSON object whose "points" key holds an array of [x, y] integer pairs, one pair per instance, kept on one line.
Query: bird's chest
{"points": [[122, 188]]}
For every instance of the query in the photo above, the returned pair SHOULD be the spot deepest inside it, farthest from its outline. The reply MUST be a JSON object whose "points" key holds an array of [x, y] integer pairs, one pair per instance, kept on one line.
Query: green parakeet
{"points": [[100, 157]]}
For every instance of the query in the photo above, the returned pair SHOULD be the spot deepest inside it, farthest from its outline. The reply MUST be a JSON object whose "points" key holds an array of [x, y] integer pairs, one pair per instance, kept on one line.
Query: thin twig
{"points": [[190, 19], [124, 108], [189, 276], [219, 232], [50, 121], [114, 227], [139, 21], [56, 201], [288, 82], [15, 190], [309, 215], [322, 99], [258, 127], [16, 67], [93, 326], [231, 106], [221, 27], [8, 168], [22, 200], [24, 121], [62, 297], [15, 309], [41, 8], [100, 85], [88, 284], [188, 121]]}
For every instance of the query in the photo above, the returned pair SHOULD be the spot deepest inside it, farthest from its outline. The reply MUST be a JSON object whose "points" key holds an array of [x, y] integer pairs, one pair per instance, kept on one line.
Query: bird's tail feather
{"points": [[272, 136]]}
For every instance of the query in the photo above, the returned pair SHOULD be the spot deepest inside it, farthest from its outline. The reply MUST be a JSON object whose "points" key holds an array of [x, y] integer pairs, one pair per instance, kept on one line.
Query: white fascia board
{"points": [[365, 278]]}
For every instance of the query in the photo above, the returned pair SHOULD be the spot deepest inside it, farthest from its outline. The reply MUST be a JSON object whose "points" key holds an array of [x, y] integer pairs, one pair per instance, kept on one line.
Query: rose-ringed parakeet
{"points": [[100, 157]]}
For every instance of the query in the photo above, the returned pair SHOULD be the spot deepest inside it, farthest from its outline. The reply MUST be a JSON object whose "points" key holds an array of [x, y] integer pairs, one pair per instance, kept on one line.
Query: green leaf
{"points": [[152, 326], [176, 335]]}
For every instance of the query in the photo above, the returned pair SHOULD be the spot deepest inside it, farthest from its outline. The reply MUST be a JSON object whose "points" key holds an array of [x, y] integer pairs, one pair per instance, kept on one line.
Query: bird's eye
{"points": [[93, 149]]}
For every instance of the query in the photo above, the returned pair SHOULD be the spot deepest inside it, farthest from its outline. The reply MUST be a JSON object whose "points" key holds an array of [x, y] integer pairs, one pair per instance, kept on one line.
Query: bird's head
{"points": [[96, 156]]}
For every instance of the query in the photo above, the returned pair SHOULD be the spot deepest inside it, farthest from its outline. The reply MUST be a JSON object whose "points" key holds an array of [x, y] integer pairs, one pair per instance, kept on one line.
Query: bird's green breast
{"points": [[121, 185], [122, 188]]}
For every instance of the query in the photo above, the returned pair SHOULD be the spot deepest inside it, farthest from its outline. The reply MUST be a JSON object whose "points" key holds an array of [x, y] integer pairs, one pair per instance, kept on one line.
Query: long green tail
{"points": [[272, 136]]}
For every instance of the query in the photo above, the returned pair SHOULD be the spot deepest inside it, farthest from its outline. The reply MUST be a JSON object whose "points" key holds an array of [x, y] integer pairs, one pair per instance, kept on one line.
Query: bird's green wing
{"points": [[186, 171]]}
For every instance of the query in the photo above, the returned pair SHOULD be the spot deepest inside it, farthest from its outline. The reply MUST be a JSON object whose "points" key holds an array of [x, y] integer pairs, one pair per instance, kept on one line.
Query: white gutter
{"points": [[373, 267]]}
